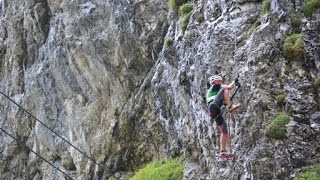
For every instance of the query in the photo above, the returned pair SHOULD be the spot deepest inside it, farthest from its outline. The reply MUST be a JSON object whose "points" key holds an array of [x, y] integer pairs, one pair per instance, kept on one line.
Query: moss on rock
{"points": [[161, 170], [276, 129]]}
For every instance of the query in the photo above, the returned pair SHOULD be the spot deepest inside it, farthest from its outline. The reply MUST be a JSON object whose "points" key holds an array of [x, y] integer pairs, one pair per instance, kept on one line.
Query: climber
{"points": [[217, 95]]}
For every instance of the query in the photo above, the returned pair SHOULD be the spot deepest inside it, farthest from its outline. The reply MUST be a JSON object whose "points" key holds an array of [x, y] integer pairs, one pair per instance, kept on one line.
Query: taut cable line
{"points": [[50, 129], [24, 145]]}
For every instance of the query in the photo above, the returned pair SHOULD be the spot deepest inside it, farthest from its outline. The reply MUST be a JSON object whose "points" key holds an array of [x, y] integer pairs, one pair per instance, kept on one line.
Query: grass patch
{"points": [[277, 129], [295, 22], [311, 173], [175, 4], [265, 6], [168, 41], [265, 104], [317, 82], [112, 178], [184, 22], [309, 6], [171, 169], [185, 11], [293, 47], [280, 99]]}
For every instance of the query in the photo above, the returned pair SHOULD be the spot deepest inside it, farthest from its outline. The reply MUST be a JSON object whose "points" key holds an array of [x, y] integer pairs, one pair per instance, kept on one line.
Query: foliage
{"points": [[266, 6], [311, 173], [175, 4], [309, 7], [317, 82], [265, 104], [112, 178], [185, 22], [296, 22], [161, 170], [280, 99], [186, 9], [276, 129], [293, 47], [168, 41]]}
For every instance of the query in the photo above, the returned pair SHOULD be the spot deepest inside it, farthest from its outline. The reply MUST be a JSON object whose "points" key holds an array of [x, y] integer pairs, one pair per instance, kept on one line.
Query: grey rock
{"points": [[316, 117], [98, 74]]}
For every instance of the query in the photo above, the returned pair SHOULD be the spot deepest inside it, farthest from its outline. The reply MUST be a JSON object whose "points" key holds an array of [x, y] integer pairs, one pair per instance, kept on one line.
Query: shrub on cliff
{"points": [[160, 170], [293, 47], [311, 173], [168, 41], [280, 98], [309, 6], [185, 22], [185, 11], [295, 22], [175, 4], [317, 82], [266, 6], [277, 129]]}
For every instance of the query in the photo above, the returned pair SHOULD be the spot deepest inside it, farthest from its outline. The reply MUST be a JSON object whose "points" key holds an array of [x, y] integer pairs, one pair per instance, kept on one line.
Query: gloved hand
{"points": [[237, 82]]}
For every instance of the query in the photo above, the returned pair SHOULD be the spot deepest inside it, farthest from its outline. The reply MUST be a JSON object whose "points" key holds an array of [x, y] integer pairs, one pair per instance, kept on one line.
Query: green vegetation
{"points": [[185, 11], [266, 6], [185, 22], [295, 22], [175, 4], [317, 82], [280, 99], [293, 47], [168, 41], [311, 173], [265, 104], [112, 178], [278, 95], [276, 129], [309, 7], [161, 170]]}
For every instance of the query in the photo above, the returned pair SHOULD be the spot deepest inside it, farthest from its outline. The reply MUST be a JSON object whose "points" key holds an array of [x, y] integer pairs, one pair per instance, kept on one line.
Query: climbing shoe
{"points": [[225, 156], [233, 107]]}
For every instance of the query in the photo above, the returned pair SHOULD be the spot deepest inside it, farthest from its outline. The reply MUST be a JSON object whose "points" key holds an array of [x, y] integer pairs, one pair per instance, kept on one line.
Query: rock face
{"points": [[100, 75]]}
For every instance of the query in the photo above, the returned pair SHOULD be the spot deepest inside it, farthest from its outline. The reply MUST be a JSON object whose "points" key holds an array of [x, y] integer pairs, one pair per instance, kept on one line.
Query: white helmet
{"points": [[214, 78]]}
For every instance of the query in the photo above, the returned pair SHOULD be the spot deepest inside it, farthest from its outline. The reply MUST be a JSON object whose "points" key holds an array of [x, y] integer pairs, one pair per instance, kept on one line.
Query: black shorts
{"points": [[216, 114]]}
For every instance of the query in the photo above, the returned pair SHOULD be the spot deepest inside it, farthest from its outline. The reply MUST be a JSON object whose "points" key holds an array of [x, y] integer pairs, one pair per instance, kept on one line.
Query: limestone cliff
{"points": [[121, 81]]}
